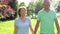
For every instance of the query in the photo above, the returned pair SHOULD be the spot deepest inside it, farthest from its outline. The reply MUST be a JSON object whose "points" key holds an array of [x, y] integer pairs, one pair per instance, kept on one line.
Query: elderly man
{"points": [[46, 18]]}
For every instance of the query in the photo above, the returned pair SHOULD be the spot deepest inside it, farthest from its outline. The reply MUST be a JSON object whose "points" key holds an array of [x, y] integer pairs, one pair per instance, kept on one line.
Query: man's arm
{"points": [[36, 27], [57, 25]]}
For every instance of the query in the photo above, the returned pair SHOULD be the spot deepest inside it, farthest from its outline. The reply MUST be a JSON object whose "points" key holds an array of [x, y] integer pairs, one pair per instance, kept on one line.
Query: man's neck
{"points": [[47, 10]]}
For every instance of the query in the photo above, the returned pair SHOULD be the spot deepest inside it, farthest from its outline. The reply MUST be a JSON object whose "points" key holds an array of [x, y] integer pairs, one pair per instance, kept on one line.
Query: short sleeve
{"points": [[15, 21], [38, 16], [55, 16], [29, 21]]}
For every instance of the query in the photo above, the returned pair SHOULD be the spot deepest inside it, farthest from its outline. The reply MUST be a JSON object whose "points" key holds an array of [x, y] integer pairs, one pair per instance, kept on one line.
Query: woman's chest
{"points": [[22, 24]]}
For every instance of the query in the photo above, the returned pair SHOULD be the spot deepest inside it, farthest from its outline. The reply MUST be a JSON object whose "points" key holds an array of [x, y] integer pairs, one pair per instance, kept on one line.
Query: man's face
{"points": [[46, 5]]}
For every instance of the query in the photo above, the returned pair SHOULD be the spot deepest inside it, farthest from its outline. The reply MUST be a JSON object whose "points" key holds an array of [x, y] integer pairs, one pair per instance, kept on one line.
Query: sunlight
{"points": [[26, 1]]}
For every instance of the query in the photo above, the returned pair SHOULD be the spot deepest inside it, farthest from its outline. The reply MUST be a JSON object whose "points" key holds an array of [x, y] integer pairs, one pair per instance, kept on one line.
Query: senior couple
{"points": [[45, 17]]}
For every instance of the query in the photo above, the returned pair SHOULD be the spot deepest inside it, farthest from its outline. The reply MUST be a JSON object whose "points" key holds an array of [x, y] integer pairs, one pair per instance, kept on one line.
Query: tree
{"points": [[22, 4], [34, 7], [38, 6], [31, 8], [13, 5], [58, 7]]}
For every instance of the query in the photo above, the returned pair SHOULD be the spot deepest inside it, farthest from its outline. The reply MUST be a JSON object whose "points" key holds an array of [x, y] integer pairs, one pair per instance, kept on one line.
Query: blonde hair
{"points": [[22, 7]]}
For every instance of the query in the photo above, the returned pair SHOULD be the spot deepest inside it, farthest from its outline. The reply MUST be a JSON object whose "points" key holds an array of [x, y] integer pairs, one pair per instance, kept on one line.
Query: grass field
{"points": [[7, 27]]}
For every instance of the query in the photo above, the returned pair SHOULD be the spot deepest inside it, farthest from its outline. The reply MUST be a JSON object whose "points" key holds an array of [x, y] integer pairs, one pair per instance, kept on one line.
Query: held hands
{"points": [[58, 30], [34, 32]]}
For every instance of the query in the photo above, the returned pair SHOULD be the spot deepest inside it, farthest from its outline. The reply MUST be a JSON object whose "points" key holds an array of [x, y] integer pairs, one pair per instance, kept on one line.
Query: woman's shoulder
{"points": [[17, 18], [28, 18]]}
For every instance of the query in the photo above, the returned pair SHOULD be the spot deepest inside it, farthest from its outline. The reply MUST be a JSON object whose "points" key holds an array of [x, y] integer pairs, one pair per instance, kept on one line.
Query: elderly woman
{"points": [[22, 23]]}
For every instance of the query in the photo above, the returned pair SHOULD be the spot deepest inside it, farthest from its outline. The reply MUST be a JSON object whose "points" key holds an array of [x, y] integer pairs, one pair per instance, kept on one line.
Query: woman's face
{"points": [[23, 12]]}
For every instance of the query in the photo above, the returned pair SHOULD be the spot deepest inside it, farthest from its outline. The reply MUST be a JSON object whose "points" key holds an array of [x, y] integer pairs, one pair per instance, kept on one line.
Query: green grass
{"points": [[7, 27]]}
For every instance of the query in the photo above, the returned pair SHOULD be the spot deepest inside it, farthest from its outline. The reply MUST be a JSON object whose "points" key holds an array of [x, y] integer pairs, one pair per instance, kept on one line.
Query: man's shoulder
{"points": [[53, 11], [41, 11]]}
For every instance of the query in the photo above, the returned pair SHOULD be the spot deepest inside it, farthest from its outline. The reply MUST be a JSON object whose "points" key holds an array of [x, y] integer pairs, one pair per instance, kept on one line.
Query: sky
{"points": [[27, 1]]}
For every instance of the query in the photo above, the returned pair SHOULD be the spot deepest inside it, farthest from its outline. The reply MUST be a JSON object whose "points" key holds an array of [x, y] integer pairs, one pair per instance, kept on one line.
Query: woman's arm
{"points": [[36, 27], [31, 28], [15, 29]]}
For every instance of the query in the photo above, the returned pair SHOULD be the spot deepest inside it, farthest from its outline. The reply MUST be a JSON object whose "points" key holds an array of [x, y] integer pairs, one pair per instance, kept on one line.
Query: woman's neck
{"points": [[23, 18]]}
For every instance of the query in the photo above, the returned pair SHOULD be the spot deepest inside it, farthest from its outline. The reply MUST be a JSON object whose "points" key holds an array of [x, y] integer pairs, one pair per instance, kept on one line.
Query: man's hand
{"points": [[58, 30], [57, 25], [36, 27]]}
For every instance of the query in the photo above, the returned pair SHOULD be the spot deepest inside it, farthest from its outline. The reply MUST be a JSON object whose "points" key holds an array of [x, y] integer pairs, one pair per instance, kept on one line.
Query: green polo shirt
{"points": [[46, 21]]}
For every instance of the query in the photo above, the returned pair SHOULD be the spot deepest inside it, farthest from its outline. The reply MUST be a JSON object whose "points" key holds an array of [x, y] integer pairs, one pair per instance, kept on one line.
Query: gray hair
{"points": [[46, 0]]}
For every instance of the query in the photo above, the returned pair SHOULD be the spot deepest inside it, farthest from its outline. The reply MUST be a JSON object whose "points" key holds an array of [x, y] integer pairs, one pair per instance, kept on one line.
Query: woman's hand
{"points": [[31, 29]]}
